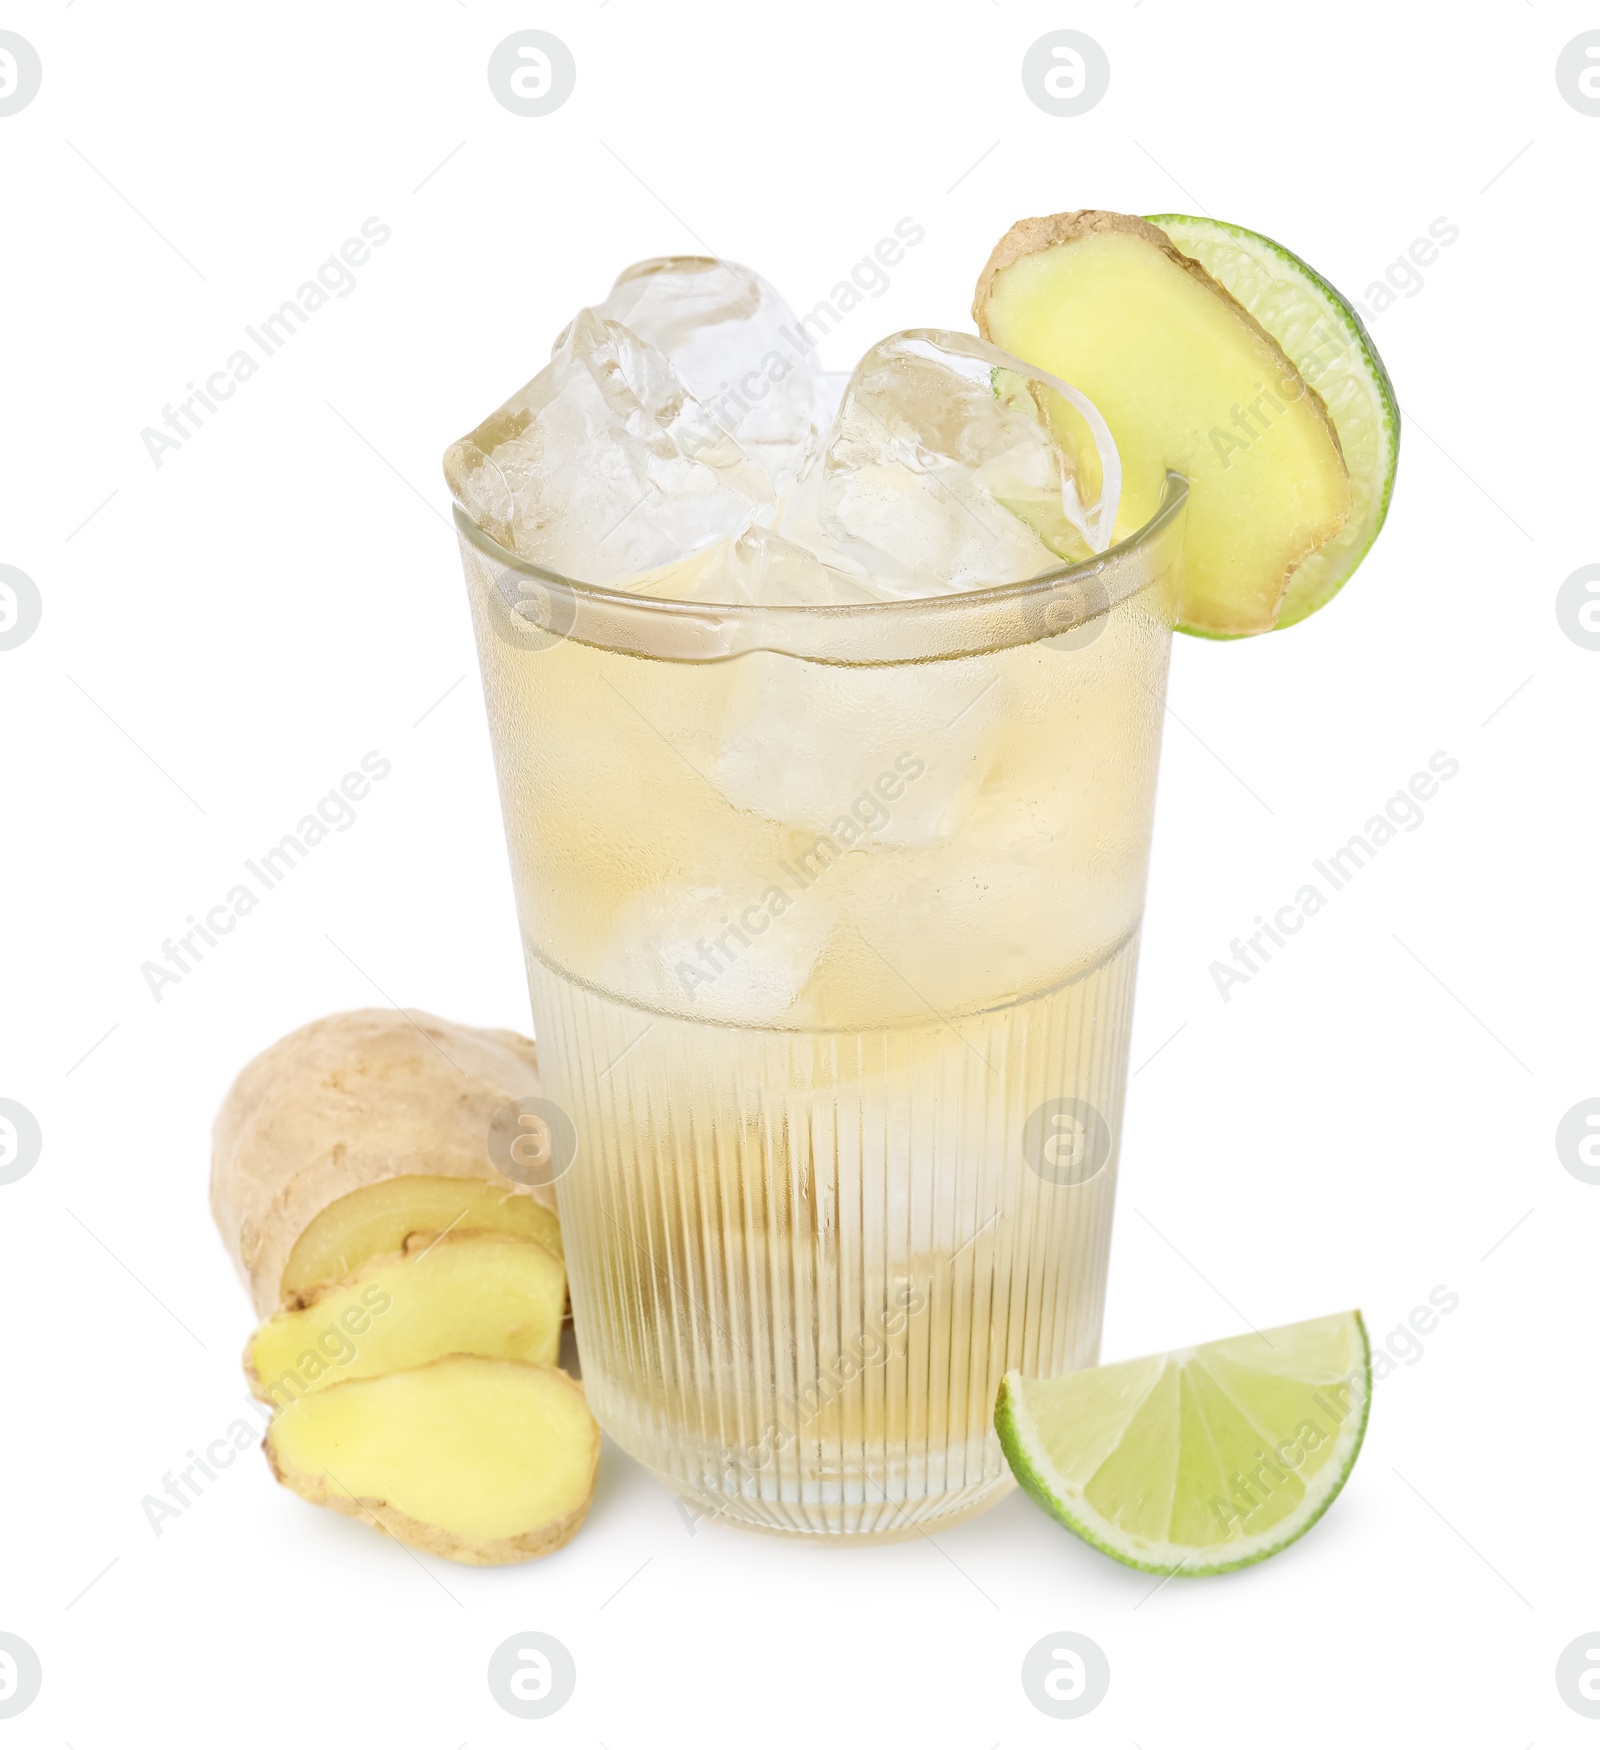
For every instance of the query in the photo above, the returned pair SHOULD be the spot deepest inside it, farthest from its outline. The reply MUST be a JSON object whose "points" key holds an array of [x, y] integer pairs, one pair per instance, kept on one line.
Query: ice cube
{"points": [[761, 569], [951, 465], [697, 950], [973, 923], [737, 348], [859, 756], [605, 465]]}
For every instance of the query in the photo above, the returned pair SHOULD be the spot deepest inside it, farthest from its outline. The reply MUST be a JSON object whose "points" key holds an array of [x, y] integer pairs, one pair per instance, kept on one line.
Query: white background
{"points": [[224, 636]]}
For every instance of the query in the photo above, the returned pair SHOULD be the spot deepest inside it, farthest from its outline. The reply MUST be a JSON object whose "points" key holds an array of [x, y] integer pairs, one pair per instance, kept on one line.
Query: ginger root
{"points": [[415, 1292], [450, 1294], [478, 1460], [358, 1129]]}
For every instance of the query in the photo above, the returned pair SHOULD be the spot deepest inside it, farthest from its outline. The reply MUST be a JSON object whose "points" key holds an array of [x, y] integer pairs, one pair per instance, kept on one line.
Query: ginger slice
{"points": [[1188, 380], [478, 1460], [348, 1103], [452, 1294], [378, 1218]]}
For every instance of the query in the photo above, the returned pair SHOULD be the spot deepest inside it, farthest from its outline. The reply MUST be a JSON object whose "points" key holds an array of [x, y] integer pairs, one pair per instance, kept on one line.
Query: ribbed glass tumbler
{"points": [[831, 919]]}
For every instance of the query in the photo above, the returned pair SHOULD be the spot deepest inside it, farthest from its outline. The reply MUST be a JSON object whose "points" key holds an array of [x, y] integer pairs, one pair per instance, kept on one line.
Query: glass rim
{"points": [[997, 615]]}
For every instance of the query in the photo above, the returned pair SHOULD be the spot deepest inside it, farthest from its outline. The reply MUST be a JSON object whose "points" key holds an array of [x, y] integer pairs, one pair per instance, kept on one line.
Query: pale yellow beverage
{"points": [[831, 917]]}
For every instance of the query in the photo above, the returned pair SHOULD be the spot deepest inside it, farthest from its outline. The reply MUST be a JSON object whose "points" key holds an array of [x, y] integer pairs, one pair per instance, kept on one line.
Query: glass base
{"points": [[858, 1522], [802, 1262]]}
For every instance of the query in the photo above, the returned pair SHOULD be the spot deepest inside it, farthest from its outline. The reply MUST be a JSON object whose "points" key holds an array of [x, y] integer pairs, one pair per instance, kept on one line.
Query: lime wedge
{"points": [[1201, 1460], [1330, 347]]}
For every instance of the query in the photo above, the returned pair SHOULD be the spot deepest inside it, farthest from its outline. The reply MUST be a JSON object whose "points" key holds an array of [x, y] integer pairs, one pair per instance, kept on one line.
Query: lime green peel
{"points": [[1328, 344], [1201, 1460]]}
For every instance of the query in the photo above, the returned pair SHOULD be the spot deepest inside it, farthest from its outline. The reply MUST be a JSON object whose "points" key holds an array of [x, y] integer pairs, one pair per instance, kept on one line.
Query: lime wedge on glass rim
{"points": [[1328, 344], [1200, 1460]]}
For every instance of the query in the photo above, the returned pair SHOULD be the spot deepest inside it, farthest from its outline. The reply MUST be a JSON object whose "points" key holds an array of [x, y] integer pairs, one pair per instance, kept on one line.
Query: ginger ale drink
{"points": [[830, 886]]}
